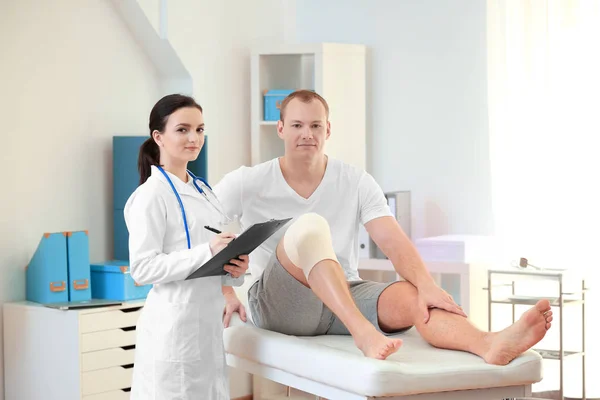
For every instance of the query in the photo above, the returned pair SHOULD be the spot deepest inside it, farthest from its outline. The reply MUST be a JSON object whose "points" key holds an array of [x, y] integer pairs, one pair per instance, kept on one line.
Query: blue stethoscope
{"points": [[205, 190]]}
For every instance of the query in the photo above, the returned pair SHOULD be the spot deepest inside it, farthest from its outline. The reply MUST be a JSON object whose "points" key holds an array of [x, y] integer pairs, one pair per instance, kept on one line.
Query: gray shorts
{"points": [[278, 302]]}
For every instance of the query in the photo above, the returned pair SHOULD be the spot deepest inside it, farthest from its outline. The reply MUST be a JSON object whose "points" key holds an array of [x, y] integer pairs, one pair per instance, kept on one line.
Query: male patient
{"points": [[306, 275]]}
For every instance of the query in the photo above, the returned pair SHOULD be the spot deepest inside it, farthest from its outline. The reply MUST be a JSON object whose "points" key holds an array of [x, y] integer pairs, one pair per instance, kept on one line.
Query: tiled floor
{"points": [[546, 395], [554, 395]]}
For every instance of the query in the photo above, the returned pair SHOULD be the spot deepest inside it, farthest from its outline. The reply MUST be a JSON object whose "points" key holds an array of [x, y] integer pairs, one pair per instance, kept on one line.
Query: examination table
{"points": [[332, 367]]}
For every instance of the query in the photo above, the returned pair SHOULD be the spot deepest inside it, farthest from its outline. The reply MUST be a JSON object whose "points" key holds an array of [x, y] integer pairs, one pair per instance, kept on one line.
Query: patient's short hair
{"points": [[305, 96]]}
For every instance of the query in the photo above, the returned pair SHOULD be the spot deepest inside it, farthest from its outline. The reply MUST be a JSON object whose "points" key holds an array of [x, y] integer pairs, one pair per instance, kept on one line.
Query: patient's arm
{"points": [[391, 239], [232, 304]]}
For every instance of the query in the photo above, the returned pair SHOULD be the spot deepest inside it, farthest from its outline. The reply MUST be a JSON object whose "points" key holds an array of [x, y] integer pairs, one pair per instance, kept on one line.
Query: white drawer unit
{"points": [[84, 354]]}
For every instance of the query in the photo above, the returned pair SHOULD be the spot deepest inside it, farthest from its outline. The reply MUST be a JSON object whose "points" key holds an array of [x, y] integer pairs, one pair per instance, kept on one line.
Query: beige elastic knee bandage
{"points": [[308, 241]]}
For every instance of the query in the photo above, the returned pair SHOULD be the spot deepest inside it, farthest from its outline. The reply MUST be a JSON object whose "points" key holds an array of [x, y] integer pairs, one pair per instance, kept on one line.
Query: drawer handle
{"points": [[128, 310], [130, 347], [128, 328], [58, 286], [128, 366], [81, 284], [126, 390]]}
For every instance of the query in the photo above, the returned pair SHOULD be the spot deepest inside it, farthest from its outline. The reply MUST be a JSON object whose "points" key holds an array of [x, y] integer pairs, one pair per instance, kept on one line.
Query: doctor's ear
{"points": [[157, 136]]}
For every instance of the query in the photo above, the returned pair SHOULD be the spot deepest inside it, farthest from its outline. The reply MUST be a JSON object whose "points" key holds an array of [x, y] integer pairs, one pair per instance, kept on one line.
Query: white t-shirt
{"points": [[346, 198]]}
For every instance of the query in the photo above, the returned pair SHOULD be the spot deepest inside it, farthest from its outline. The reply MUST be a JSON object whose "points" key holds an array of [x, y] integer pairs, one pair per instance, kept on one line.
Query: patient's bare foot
{"points": [[374, 344], [509, 343]]}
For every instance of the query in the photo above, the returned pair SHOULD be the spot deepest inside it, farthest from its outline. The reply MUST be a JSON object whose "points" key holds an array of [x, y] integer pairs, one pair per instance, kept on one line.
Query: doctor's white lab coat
{"points": [[179, 347]]}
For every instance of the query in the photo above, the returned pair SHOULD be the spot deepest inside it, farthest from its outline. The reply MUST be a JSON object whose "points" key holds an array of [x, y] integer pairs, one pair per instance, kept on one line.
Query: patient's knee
{"points": [[308, 241], [398, 307]]}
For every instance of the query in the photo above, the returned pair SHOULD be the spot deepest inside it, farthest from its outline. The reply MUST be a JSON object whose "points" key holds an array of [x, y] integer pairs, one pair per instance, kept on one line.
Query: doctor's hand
{"points": [[432, 296], [236, 267], [220, 241]]}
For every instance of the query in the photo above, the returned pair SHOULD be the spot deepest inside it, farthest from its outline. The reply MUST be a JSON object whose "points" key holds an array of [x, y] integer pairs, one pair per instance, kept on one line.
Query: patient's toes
{"points": [[376, 345], [522, 335], [391, 347]]}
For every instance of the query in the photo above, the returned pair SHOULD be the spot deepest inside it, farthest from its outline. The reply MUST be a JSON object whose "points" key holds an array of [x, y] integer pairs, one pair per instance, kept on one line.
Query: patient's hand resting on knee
{"points": [[432, 296]]}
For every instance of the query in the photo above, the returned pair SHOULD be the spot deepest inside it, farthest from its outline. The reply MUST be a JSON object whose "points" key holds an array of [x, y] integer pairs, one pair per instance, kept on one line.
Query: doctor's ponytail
{"points": [[149, 156], [149, 151]]}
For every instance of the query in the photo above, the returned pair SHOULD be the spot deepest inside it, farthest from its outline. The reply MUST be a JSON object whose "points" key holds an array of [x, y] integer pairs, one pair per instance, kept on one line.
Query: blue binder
{"points": [[78, 263], [46, 273]]}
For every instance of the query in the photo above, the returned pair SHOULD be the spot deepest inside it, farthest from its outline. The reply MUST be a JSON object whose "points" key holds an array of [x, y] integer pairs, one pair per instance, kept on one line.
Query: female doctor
{"points": [[179, 349]]}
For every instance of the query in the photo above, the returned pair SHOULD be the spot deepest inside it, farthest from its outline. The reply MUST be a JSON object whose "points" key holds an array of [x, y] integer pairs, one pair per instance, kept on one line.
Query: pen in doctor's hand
{"points": [[220, 241], [212, 229]]}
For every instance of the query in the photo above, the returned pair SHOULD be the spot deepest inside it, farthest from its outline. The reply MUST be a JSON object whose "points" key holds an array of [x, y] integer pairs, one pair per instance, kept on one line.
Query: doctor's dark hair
{"points": [[149, 151]]}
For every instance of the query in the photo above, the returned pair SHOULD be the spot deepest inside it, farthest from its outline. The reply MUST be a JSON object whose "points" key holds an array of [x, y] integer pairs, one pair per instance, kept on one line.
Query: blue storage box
{"points": [[46, 274], [78, 264], [111, 280], [272, 103]]}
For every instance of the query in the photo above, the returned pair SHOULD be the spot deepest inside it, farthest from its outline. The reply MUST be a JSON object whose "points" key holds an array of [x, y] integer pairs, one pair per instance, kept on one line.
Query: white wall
{"points": [[428, 101], [213, 40], [71, 79]]}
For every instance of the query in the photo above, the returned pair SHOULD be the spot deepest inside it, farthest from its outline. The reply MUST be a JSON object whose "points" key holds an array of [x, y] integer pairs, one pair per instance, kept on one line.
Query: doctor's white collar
{"points": [[182, 187]]}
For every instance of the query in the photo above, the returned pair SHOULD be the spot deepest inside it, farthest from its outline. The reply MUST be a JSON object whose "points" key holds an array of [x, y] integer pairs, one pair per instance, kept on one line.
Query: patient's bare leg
{"points": [[398, 308], [328, 282]]}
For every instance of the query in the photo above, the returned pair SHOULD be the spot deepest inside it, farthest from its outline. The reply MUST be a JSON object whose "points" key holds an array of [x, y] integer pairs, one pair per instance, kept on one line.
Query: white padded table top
{"points": [[417, 367]]}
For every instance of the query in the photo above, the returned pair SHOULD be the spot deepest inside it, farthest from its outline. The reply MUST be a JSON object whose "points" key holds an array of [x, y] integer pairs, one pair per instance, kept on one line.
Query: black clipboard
{"points": [[249, 240]]}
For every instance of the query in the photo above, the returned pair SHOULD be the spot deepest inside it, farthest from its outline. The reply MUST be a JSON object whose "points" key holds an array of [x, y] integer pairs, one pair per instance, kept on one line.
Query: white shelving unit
{"points": [[563, 289], [335, 71]]}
